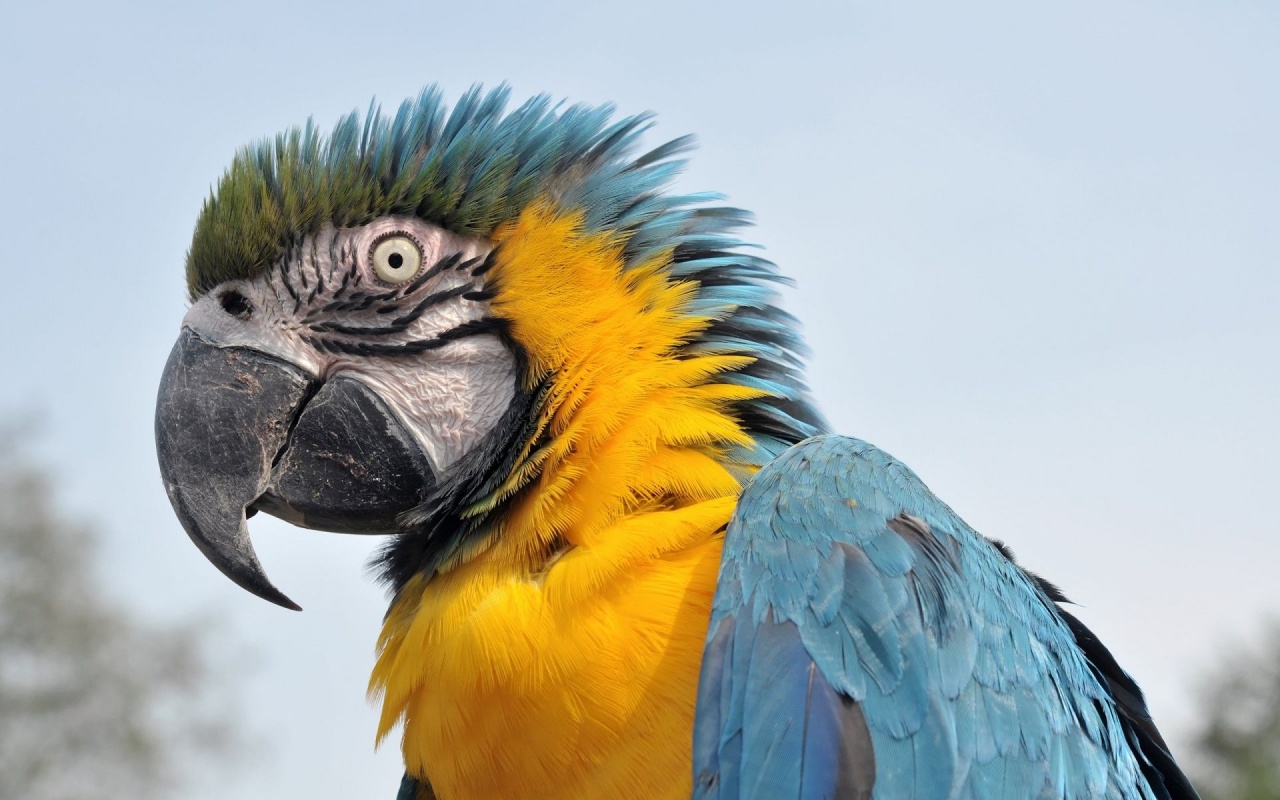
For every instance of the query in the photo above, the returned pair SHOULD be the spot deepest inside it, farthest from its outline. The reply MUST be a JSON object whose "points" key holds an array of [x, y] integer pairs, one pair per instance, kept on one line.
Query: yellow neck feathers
{"points": [[561, 660]]}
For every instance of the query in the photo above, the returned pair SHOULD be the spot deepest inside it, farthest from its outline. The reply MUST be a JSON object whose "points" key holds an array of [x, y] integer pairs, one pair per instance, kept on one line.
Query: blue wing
{"points": [[865, 642]]}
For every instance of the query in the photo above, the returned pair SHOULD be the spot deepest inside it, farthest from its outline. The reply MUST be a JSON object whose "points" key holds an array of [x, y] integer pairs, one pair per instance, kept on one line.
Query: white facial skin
{"points": [[326, 308]]}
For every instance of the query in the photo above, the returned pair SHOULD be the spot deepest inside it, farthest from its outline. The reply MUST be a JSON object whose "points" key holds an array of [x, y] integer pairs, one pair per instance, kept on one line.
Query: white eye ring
{"points": [[396, 259]]}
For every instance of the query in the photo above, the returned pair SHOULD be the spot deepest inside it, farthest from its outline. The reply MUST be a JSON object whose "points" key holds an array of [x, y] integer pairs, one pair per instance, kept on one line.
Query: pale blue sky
{"points": [[1036, 248]]}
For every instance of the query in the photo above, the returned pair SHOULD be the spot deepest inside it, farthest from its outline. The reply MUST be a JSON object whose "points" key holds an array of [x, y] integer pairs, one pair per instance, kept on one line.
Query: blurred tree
{"points": [[93, 702], [1238, 741]]}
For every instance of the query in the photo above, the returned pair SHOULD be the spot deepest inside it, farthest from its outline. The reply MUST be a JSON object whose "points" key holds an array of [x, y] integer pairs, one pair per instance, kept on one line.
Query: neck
{"points": [[565, 651]]}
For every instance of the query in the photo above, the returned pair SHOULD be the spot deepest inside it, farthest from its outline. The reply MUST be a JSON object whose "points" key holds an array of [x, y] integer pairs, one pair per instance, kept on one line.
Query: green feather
{"points": [[468, 171]]}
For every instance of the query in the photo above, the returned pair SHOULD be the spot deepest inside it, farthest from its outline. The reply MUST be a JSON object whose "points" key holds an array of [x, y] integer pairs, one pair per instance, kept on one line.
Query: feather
{"points": [[841, 570]]}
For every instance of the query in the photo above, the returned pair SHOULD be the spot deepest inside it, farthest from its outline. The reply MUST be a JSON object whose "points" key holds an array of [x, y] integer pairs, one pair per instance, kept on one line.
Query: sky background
{"points": [[1036, 248]]}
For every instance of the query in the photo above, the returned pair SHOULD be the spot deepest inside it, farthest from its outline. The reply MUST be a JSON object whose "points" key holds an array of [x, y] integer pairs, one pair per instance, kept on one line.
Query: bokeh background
{"points": [[1035, 244]]}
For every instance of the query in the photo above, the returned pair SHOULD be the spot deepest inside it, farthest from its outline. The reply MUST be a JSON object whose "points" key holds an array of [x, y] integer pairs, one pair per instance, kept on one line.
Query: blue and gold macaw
{"points": [[626, 559]]}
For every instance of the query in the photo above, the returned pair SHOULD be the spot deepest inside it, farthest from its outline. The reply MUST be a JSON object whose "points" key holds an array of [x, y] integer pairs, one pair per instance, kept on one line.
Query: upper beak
{"points": [[222, 418], [238, 430]]}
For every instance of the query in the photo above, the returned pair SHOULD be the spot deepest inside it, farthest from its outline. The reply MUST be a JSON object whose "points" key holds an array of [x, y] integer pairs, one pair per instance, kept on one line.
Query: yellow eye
{"points": [[396, 259]]}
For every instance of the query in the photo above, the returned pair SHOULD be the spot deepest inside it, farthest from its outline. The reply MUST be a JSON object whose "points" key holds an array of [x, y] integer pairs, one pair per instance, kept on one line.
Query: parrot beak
{"points": [[238, 430]]}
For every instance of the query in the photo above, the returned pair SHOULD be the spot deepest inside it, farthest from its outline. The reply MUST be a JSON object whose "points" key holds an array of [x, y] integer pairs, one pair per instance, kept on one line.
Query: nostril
{"points": [[236, 304]]}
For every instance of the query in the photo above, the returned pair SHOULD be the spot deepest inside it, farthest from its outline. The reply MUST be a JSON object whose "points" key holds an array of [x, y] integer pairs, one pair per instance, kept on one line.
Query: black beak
{"points": [[222, 418], [238, 431]]}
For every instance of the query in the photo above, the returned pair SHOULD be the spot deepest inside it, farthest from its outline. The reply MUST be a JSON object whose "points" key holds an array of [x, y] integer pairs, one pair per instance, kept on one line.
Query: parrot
{"points": [[626, 556]]}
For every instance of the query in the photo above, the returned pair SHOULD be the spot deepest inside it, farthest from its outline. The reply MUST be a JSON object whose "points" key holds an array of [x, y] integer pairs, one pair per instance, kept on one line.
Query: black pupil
{"points": [[395, 260]]}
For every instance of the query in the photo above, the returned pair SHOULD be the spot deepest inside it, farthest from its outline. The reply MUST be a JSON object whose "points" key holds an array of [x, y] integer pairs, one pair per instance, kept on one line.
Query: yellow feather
{"points": [[560, 659]]}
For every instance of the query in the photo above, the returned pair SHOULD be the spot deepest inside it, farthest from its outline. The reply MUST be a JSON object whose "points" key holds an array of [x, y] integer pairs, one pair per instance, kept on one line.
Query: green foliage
{"points": [[1238, 741], [93, 703]]}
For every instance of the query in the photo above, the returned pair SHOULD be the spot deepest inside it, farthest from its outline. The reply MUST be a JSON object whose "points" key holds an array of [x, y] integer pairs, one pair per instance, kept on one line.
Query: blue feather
{"points": [[842, 571]]}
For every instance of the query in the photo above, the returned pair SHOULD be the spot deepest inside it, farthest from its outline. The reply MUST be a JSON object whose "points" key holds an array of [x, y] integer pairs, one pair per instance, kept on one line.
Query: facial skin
{"points": [[345, 303]]}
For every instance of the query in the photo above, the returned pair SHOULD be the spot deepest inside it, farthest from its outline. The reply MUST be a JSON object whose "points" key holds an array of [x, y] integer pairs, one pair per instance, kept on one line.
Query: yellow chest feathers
{"points": [[579, 685]]}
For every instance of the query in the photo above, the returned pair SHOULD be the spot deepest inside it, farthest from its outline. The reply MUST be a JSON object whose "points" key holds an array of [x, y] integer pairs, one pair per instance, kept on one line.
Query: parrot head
{"points": [[395, 327]]}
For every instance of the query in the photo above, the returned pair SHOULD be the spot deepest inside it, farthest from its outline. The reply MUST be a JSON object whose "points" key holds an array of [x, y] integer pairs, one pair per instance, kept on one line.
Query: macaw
{"points": [[626, 557]]}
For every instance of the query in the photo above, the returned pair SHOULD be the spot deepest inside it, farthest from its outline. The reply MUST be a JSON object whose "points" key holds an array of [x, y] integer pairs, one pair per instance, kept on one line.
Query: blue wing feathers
{"points": [[821, 749], [865, 642]]}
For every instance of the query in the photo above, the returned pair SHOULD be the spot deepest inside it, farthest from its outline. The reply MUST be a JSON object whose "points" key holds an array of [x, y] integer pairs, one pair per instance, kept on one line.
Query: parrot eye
{"points": [[396, 259]]}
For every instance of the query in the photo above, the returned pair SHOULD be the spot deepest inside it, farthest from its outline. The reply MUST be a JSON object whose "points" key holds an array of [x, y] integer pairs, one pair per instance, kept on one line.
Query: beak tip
{"points": [[232, 553], [278, 597]]}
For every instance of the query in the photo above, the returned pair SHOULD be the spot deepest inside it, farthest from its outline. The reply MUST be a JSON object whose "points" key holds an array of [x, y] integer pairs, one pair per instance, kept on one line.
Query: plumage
{"points": [[971, 679], [628, 560]]}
